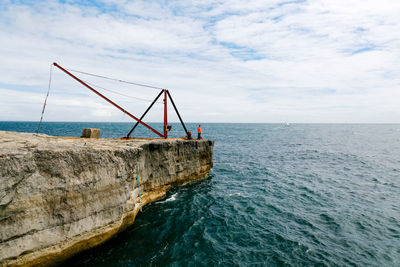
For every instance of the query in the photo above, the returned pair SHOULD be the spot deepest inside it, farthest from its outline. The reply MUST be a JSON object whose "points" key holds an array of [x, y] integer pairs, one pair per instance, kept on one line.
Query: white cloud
{"points": [[300, 61]]}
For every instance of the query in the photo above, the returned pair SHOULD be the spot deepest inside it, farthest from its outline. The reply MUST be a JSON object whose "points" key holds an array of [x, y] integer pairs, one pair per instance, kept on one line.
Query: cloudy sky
{"points": [[223, 61]]}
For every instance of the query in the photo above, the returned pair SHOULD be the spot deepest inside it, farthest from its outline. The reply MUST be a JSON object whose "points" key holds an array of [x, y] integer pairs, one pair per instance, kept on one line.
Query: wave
{"points": [[171, 198]]}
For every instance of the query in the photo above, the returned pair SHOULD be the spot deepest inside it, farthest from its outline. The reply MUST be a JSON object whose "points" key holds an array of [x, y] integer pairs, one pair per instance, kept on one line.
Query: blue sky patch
{"points": [[362, 50], [242, 52]]}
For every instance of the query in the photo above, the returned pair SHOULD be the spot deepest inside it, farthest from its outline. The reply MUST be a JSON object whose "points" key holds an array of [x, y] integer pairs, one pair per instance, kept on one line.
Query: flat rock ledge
{"points": [[60, 196]]}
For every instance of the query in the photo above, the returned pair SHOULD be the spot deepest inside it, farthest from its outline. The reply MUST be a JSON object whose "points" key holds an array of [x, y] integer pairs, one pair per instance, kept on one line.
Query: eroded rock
{"points": [[59, 196]]}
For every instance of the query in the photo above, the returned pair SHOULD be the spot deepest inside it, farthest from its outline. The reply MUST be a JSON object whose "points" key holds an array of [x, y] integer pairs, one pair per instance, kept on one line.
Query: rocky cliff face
{"points": [[59, 196]]}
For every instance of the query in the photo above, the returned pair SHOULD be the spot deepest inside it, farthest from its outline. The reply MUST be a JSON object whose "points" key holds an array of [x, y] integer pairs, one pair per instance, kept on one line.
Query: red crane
{"points": [[138, 120]]}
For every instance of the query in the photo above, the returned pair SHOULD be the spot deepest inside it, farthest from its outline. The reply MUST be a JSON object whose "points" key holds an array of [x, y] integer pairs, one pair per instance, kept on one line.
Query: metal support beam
{"points": [[108, 100], [165, 114], [144, 114], [179, 116]]}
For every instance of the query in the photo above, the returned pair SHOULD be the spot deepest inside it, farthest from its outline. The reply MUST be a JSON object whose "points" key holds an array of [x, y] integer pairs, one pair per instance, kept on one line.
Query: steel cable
{"points": [[114, 79], [45, 100], [112, 91]]}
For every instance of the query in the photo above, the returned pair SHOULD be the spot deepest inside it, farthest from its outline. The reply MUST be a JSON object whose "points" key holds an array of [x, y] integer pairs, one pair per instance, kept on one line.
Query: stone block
{"points": [[90, 133]]}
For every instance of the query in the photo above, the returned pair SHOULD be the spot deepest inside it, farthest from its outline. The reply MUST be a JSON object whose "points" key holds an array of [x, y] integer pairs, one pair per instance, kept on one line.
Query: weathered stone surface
{"points": [[90, 133], [59, 196]]}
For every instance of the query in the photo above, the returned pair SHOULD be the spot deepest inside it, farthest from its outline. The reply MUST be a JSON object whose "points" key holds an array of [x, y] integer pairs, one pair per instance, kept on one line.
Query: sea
{"points": [[278, 195]]}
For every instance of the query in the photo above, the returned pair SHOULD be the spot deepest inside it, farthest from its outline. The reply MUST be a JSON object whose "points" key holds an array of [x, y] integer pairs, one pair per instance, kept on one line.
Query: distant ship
{"points": [[286, 124]]}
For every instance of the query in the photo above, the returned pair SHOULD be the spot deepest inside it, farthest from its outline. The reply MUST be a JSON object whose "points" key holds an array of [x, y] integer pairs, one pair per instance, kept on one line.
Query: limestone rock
{"points": [[59, 196]]}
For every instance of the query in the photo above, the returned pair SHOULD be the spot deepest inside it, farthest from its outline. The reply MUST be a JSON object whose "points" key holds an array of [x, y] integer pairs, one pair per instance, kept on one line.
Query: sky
{"points": [[304, 61]]}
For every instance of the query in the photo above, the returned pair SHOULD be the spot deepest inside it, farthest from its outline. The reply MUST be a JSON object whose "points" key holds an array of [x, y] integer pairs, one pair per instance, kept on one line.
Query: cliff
{"points": [[59, 196]]}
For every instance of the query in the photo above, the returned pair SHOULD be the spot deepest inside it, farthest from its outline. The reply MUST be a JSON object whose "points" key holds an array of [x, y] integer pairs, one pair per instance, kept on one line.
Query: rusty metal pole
{"points": [[108, 100], [165, 115]]}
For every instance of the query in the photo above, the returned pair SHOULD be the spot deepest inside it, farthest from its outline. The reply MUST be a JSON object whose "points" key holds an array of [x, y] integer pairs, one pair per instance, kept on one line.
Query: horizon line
{"points": [[284, 122]]}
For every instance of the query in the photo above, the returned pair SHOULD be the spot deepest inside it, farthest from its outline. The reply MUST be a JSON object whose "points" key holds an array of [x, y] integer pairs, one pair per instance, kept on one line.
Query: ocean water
{"points": [[303, 195]]}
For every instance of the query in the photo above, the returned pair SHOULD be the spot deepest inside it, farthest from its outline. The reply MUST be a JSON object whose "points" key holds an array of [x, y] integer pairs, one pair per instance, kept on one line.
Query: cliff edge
{"points": [[59, 196]]}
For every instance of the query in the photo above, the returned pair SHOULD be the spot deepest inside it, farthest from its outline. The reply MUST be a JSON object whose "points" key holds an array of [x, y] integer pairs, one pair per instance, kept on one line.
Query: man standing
{"points": [[199, 132]]}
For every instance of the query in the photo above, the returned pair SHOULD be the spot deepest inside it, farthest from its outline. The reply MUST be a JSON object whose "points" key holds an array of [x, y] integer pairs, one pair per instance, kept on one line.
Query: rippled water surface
{"points": [[307, 194]]}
